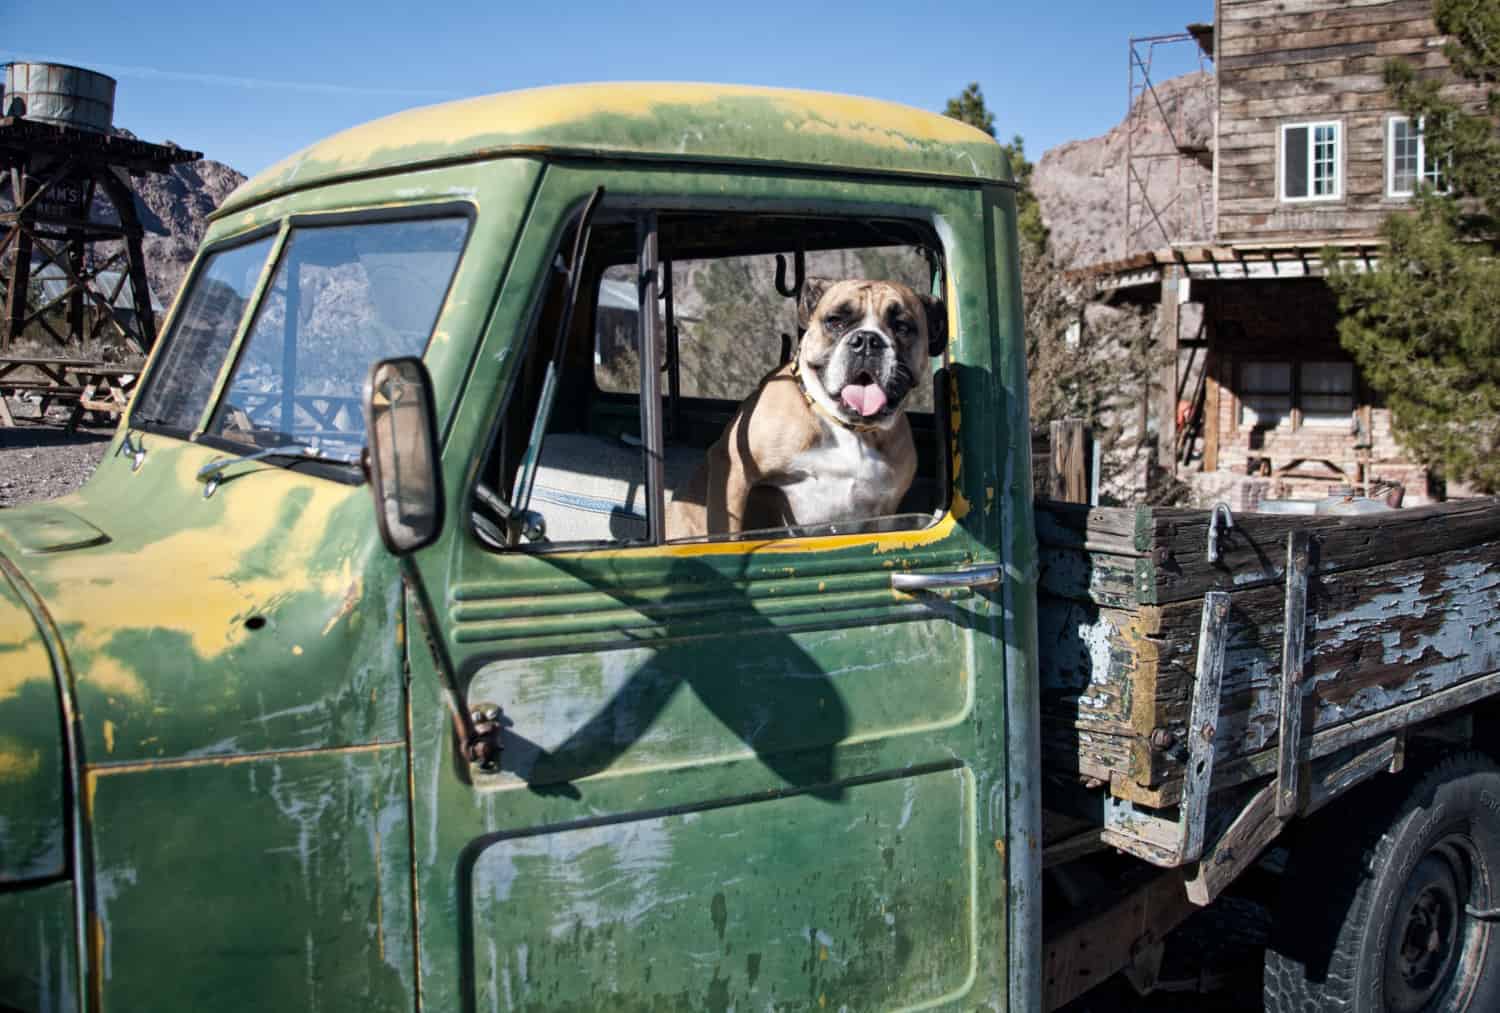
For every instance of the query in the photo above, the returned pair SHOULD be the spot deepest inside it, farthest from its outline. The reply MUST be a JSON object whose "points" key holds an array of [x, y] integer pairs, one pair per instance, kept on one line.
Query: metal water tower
{"points": [[58, 153]]}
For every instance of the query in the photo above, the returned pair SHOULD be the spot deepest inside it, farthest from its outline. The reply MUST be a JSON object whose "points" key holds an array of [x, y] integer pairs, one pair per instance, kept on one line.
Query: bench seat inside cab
{"points": [[591, 488]]}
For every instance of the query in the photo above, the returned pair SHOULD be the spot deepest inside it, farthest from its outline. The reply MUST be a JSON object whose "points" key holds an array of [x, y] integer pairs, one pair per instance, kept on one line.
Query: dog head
{"points": [[867, 345]]}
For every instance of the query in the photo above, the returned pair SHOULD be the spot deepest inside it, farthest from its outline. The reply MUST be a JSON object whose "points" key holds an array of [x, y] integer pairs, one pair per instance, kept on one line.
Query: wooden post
{"points": [[1068, 463], [1293, 673], [1172, 278], [20, 275], [123, 199], [75, 298]]}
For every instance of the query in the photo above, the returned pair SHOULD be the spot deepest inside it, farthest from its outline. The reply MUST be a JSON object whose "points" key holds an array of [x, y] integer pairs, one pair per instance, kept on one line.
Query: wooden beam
{"points": [[1086, 951]]}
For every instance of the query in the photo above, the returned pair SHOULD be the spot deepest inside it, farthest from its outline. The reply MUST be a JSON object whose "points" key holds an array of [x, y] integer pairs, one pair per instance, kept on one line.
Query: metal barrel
{"points": [[60, 94]]}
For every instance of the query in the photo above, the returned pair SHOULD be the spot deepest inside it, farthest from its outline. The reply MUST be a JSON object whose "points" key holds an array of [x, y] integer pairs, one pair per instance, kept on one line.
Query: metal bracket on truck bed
{"points": [[1173, 842]]}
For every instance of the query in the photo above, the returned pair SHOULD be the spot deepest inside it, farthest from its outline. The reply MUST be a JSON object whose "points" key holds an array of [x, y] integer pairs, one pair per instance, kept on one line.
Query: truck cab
{"points": [[499, 742]]}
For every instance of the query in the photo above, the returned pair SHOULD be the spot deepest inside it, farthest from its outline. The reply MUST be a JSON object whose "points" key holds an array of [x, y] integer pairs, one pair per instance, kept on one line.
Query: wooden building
{"points": [[1309, 150]]}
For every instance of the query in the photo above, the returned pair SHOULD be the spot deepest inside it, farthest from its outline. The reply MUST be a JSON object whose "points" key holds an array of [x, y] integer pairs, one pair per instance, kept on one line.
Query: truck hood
{"points": [[33, 818], [193, 626]]}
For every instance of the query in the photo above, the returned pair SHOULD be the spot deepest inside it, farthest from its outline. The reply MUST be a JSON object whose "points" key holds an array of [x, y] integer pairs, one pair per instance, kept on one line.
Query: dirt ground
{"points": [[40, 460]]}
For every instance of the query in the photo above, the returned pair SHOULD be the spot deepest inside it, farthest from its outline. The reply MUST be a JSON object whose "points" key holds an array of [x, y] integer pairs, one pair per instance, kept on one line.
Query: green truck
{"points": [[497, 742]]}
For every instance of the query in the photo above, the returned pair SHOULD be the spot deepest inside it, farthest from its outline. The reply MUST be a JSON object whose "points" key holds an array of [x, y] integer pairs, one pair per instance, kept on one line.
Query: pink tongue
{"points": [[866, 400]]}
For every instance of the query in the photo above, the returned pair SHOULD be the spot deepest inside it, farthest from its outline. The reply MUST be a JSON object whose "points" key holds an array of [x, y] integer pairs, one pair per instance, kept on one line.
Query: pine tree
{"points": [[1424, 326]]}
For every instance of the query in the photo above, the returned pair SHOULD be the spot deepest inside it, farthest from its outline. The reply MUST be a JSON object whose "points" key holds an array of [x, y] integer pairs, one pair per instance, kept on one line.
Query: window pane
{"points": [[1294, 160], [343, 298], [1403, 157], [1265, 411], [200, 338], [1266, 378], [1327, 377], [1325, 160], [1327, 410], [617, 342]]}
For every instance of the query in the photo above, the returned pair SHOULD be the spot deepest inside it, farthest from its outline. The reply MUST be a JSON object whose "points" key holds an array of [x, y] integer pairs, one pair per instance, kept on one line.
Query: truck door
{"points": [[767, 770]]}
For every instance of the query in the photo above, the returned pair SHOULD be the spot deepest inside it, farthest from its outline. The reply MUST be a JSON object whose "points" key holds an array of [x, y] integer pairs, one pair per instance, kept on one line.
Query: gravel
{"points": [[40, 460]]}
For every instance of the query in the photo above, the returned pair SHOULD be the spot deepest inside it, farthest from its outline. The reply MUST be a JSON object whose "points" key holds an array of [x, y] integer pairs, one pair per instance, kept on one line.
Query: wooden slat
{"points": [[1081, 953], [1251, 553], [1201, 729], [1293, 672], [1068, 470]]}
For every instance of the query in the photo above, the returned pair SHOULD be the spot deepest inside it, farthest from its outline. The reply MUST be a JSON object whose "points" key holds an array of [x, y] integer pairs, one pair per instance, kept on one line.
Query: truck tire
{"points": [[1377, 910]]}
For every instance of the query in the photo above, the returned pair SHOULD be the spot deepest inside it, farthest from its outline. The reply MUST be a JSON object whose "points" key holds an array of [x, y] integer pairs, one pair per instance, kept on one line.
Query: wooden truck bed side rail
{"points": [[1399, 606]]}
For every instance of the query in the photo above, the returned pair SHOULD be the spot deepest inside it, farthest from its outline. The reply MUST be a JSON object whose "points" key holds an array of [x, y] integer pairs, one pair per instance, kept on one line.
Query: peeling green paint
{"points": [[667, 122], [33, 823]]}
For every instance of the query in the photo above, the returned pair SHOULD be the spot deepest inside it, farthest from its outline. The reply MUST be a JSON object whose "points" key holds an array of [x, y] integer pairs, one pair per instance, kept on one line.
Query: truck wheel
{"points": [[1377, 911]]}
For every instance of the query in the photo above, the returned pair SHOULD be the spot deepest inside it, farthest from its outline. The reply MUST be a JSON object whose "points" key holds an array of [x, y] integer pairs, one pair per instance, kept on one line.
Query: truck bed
{"points": [[1401, 607]]}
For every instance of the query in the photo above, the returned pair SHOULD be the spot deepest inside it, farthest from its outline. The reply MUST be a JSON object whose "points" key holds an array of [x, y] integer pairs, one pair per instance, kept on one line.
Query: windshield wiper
{"points": [[212, 473]]}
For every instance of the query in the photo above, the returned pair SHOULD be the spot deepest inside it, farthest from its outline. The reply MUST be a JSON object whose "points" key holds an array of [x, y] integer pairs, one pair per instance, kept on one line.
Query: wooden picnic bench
{"points": [[89, 386]]}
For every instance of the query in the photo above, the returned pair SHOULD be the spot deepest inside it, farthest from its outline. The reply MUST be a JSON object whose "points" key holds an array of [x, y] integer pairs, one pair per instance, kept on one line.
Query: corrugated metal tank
{"points": [[57, 93]]}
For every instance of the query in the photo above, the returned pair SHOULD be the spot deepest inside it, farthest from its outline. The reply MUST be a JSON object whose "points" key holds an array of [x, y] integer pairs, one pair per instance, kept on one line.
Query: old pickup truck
{"points": [[496, 742]]}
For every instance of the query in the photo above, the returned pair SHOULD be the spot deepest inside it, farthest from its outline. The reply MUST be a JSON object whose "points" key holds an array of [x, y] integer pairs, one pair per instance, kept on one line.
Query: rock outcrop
{"points": [[1081, 185]]}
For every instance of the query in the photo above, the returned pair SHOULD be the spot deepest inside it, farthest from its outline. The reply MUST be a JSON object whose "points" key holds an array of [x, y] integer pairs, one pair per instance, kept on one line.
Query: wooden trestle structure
{"points": [[52, 174]]}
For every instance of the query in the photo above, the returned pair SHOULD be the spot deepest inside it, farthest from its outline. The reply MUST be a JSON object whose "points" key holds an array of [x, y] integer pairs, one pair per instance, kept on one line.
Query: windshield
{"points": [[184, 379], [343, 297]]}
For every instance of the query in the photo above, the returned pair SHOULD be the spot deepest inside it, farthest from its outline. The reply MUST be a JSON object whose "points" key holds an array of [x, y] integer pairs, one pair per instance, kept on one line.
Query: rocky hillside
{"points": [[174, 209], [1082, 185]]}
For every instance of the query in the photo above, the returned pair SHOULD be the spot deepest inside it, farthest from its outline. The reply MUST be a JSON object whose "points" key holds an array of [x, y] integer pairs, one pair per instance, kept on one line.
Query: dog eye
{"points": [[833, 321]]}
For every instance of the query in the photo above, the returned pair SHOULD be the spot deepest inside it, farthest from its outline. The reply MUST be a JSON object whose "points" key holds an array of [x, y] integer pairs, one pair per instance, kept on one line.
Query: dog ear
{"points": [[807, 300], [937, 324]]}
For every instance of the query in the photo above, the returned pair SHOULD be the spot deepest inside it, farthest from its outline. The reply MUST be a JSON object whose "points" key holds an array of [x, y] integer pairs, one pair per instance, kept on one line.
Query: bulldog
{"points": [[824, 438]]}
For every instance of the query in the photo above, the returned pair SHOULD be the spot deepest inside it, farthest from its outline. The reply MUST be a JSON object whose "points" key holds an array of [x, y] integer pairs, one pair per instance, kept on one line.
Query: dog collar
{"points": [[821, 409]]}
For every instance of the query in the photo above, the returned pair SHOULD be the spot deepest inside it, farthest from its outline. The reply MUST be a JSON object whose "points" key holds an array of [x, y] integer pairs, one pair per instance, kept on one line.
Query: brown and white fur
{"points": [[823, 439]]}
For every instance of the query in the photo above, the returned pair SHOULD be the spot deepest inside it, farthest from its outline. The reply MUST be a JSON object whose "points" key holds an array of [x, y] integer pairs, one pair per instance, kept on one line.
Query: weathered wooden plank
{"points": [[1074, 524], [1068, 464], [1236, 20], [1250, 554], [1258, 824], [1379, 637], [1104, 578], [1207, 678], [1291, 43], [1342, 51], [1088, 660], [1082, 952], [1351, 66], [1293, 671]]}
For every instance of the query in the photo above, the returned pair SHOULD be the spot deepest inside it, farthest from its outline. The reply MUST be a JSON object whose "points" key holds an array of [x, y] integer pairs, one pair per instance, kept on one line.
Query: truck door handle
{"points": [[979, 576]]}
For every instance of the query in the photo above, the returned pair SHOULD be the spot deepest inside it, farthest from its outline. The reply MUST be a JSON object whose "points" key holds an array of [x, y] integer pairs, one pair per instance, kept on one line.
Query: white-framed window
{"points": [[1407, 160], [1312, 161], [1281, 395]]}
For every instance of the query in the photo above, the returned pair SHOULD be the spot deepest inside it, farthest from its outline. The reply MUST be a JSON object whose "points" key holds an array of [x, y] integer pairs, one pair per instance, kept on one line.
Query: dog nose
{"points": [[861, 340]]}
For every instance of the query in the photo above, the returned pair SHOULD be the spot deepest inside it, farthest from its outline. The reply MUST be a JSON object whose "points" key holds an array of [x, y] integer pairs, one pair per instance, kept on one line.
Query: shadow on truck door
{"points": [[763, 687]]}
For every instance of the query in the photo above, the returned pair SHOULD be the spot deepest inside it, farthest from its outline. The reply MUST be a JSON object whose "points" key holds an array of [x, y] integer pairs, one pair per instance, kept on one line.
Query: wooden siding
{"points": [[1293, 61]]}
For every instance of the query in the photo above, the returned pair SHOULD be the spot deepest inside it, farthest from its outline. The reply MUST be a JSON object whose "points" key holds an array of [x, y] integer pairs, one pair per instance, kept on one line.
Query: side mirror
{"points": [[402, 457]]}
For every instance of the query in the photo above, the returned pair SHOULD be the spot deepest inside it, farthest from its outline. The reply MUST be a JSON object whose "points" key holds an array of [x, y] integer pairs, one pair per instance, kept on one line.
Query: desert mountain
{"points": [[1081, 185]]}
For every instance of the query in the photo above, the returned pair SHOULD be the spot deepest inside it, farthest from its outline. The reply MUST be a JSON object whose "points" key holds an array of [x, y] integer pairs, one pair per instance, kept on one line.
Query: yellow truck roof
{"points": [[663, 122]]}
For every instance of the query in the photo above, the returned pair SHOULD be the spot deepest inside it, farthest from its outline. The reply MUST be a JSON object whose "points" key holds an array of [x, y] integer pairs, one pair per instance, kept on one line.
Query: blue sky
{"points": [[248, 83]]}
